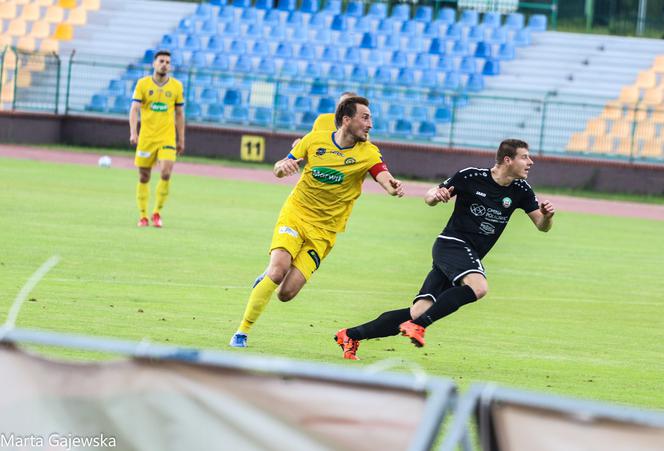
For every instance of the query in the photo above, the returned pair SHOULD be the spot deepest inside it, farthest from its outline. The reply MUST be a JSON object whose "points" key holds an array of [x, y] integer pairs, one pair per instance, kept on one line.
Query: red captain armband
{"points": [[377, 169]]}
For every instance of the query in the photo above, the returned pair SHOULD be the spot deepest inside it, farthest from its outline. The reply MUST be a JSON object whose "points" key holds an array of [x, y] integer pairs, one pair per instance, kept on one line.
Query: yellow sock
{"points": [[142, 196], [162, 194], [258, 299]]}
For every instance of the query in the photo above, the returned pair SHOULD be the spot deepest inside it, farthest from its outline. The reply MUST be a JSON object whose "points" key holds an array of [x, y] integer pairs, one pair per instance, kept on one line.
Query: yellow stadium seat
{"points": [[578, 142], [629, 94], [658, 66], [77, 16], [26, 44], [44, 2], [68, 4], [645, 131], [647, 79], [5, 41], [7, 11], [596, 126], [658, 116], [612, 110], [31, 12], [24, 79], [654, 96], [40, 29], [49, 46], [653, 148], [635, 114], [625, 146], [54, 14], [64, 32], [621, 129], [17, 27], [91, 5], [602, 144]]}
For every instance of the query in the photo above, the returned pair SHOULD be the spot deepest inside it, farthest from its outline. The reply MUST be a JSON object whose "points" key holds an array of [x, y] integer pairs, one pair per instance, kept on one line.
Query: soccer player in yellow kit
{"points": [[335, 164], [160, 100]]}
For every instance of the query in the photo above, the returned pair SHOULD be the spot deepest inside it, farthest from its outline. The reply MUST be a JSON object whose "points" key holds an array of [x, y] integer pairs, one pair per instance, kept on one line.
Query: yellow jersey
{"points": [[158, 108], [331, 179], [323, 122]]}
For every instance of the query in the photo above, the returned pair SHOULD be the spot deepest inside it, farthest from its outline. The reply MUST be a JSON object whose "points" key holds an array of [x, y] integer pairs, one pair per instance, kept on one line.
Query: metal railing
{"points": [[552, 124]]}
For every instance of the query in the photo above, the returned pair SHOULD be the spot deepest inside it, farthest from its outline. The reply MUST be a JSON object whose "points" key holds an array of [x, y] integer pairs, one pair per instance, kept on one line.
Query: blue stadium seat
{"points": [[169, 42], [424, 13], [454, 31], [209, 27], [98, 103], [231, 29], [193, 112], [193, 42], [289, 68], [392, 42], [522, 38], [359, 74], [355, 8], [469, 17], [460, 48], [468, 65], [186, 26], [401, 11], [409, 27], [148, 56], [475, 83], [339, 23], [375, 57], [491, 19], [336, 72], [364, 24], [483, 50], [332, 7], [239, 115], [426, 129], [403, 128], [204, 10], [218, 2], [215, 44], [309, 6], [330, 53], [287, 5], [319, 87], [177, 59], [233, 97], [537, 22], [498, 36], [215, 113], [262, 116], [238, 47], [307, 120], [272, 17], [387, 26], [446, 64], [255, 30], [249, 15], [133, 72], [221, 62], [414, 44], [242, 3], [201, 78], [491, 67], [378, 10], [260, 48], [395, 111], [264, 4], [452, 81], [380, 125], [318, 20], [476, 33], [323, 36], [302, 104], [199, 59], [431, 30], [406, 77], [226, 14], [284, 50], [284, 119], [295, 19], [300, 34], [418, 113], [515, 21], [369, 41], [422, 61], [447, 16], [399, 59], [352, 55], [383, 75], [438, 46], [281, 102], [429, 79], [326, 105], [208, 96], [117, 88], [443, 114], [307, 52], [243, 64], [506, 51], [266, 66], [311, 70]]}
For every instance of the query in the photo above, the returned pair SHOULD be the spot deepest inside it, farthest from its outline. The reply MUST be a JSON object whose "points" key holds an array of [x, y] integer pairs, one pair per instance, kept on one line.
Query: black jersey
{"points": [[483, 207]]}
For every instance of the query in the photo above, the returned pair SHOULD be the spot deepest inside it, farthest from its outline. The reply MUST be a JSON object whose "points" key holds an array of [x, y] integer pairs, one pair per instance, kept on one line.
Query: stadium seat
{"points": [[218, 2], [419, 113], [422, 61], [359, 74], [242, 3], [238, 47], [31, 12], [514, 21], [262, 117], [309, 6], [437, 47], [287, 5], [336, 72], [239, 114], [301, 34], [355, 8], [454, 31], [244, 64], [284, 119], [91, 5], [272, 17], [475, 83], [200, 78], [424, 13], [369, 41], [602, 144], [406, 77], [395, 111], [578, 142], [380, 126], [491, 19], [117, 88], [311, 70], [221, 62], [284, 50], [537, 22], [426, 129], [209, 96], [121, 105], [226, 14], [199, 59], [378, 10], [352, 55], [186, 26], [8, 10], [203, 10], [67, 4], [498, 36], [387, 26], [307, 120], [332, 7], [326, 105], [409, 27], [302, 104], [249, 15], [64, 32], [318, 20], [452, 81], [522, 38], [414, 44], [646, 79], [443, 115], [476, 33], [193, 112], [17, 28], [483, 50], [429, 79], [54, 14], [491, 67], [307, 52], [383, 75], [231, 29], [330, 54], [468, 65], [392, 42], [446, 64], [364, 24], [260, 48], [264, 4], [233, 97], [98, 103], [214, 113], [339, 23], [403, 128], [401, 11], [447, 16], [431, 30], [460, 48], [399, 59], [469, 17], [41, 30], [506, 51], [319, 87]]}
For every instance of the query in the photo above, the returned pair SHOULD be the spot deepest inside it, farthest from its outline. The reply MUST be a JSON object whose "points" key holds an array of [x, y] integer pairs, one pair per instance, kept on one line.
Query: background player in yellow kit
{"points": [[335, 164], [160, 100]]}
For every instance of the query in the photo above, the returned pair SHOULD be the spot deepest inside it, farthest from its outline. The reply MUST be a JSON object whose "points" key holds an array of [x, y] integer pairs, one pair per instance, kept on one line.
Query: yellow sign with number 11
{"points": [[252, 148]]}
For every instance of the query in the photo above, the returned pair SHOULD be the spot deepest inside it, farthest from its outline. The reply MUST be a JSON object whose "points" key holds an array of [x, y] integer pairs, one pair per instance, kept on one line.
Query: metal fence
{"points": [[455, 119]]}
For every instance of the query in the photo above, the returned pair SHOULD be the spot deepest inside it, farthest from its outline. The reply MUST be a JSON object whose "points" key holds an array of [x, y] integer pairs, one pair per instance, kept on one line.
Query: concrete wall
{"points": [[404, 159]]}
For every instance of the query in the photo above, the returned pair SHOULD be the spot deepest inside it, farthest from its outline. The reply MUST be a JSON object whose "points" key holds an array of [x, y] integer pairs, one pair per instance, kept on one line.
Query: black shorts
{"points": [[452, 260]]}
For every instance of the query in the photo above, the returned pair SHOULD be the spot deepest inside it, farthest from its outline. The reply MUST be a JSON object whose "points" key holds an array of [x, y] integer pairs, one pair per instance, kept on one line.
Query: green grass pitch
{"points": [[578, 311]]}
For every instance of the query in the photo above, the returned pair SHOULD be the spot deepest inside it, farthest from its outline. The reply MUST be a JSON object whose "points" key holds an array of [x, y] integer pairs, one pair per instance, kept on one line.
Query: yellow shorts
{"points": [[307, 244], [149, 152]]}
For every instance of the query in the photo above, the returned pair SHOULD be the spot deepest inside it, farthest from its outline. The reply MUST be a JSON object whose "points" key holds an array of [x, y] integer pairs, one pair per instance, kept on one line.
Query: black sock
{"points": [[386, 325], [447, 303]]}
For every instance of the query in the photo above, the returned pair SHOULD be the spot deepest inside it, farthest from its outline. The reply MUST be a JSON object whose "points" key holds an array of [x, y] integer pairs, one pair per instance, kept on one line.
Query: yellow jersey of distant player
{"points": [[323, 122], [158, 109], [331, 179]]}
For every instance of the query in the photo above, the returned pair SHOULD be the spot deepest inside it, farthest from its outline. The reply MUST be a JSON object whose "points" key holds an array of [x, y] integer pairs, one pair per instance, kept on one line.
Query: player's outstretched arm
{"points": [[543, 216], [286, 167], [393, 186], [438, 194]]}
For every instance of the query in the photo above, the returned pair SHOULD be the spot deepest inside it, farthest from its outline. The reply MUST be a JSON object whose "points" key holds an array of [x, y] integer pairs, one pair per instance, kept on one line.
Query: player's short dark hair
{"points": [[161, 53], [508, 148], [348, 94], [348, 108]]}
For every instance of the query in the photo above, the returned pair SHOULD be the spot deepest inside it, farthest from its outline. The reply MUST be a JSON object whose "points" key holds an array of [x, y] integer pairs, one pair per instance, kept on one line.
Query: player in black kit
{"points": [[485, 200]]}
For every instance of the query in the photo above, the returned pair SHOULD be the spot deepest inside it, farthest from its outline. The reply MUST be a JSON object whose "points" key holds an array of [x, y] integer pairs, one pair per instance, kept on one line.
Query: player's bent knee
{"points": [[480, 290], [277, 274]]}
